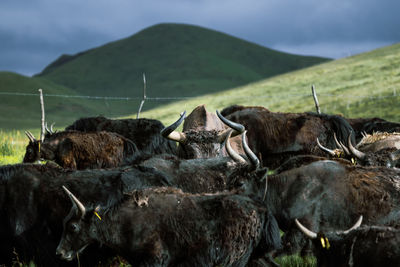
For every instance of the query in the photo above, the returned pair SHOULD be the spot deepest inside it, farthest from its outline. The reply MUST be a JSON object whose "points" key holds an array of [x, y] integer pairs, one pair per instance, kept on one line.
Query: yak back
{"points": [[231, 109], [194, 229], [145, 133], [198, 175], [341, 192], [278, 136], [80, 150]]}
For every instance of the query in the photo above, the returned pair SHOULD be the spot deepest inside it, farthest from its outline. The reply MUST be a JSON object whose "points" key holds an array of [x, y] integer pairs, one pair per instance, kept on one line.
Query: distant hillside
{"points": [[365, 85], [22, 110], [178, 60]]}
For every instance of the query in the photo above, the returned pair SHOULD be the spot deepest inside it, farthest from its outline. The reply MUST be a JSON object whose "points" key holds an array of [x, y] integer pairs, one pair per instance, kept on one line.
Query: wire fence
{"points": [[345, 96]]}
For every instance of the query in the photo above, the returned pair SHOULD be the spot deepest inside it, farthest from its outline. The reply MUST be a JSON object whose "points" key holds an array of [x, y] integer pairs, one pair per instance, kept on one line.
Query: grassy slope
{"points": [[178, 60], [344, 86], [23, 112]]}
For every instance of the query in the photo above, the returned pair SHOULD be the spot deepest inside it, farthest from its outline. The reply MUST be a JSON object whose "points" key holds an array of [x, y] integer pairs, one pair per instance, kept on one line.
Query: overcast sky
{"points": [[33, 33]]}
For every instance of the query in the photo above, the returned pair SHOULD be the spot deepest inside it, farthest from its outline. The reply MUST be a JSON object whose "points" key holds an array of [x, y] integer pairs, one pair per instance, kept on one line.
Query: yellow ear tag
{"points": [[353, 161], [327, 243], [98, 216], [39, 147], [323, 242]]}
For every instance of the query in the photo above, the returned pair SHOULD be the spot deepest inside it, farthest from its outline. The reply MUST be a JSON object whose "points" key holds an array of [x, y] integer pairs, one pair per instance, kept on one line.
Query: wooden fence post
{"points": [[315, 99], [144, 97]]}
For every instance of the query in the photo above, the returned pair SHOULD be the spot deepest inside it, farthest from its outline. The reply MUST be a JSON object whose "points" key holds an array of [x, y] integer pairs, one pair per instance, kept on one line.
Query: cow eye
{"points": [[239, 183], [74, 227]]}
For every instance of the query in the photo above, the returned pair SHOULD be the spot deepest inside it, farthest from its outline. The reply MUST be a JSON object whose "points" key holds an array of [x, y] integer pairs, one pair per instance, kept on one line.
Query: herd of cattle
{"points": [[215, 194]]}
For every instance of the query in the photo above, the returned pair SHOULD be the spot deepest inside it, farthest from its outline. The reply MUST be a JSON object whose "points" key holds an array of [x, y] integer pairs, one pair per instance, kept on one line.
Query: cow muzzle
{"points": [[65, 255]]}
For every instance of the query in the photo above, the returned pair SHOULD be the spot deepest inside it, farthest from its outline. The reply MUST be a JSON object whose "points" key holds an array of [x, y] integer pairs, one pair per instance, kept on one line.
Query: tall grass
{"points": [[12, 147]]}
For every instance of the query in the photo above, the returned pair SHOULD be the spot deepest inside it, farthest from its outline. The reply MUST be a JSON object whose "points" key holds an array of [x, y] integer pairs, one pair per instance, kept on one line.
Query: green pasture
{"points": [[365, 85]]}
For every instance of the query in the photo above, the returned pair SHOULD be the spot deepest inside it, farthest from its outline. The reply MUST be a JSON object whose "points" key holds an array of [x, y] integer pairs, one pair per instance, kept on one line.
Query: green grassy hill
{"points": [[365, 85], [22, 111], [178, 60]]}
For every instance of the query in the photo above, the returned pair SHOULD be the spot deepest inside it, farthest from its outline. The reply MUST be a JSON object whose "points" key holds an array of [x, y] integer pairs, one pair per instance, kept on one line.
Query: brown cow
{"points": [[79, 150], [278, 136], [145, 133]]}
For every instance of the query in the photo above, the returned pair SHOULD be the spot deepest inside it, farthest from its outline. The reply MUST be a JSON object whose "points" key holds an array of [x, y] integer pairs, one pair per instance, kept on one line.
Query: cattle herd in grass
{"points": [[216, 193]]}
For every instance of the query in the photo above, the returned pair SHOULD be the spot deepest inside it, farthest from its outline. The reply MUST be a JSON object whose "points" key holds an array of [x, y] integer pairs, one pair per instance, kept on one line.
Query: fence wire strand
{"points": [[345, 96]]}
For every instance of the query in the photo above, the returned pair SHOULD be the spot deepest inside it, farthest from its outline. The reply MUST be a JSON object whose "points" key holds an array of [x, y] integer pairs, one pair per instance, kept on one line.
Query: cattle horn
{"points": [[355, 226], [340, 145], [336, 141], [345, 149], [30, 136], [80, 208], [266, 184], [50, 131], [327, 150], [310, 234], [170, 133], [237, 127], [353, 150], [235, 156], [250, 154], [234, 125]]}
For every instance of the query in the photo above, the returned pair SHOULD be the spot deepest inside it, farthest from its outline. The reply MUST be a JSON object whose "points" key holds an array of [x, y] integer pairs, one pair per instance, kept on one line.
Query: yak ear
{"points": [[76, 204]]}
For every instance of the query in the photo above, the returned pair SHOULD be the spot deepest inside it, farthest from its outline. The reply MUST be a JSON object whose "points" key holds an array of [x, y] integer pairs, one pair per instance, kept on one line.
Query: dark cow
{"points": [[145, 133], [79, 150], [371, 125], [378, 149], [358, 246], [278, 136], [32, 206], [328, 195], [166, 227], [203, 134]]}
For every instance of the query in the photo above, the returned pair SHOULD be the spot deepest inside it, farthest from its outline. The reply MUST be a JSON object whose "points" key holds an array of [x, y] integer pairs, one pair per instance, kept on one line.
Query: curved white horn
{"points": [[327, 150], [170, 133], [355, 226], [30, 136], [80, 208], [250, 154], [235, 156], [355, 151], [310, 234]]}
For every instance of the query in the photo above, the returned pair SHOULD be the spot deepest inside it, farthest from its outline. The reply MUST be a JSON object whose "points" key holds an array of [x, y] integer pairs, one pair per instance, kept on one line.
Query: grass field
{"points": [[12, 147], [366, 85]]}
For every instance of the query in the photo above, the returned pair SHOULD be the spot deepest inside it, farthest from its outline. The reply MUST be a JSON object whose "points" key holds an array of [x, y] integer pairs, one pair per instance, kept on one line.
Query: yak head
{"points": [[250, 179], [38, 149], [76, 229], [332, 248], [380, 152], [203, 133]]}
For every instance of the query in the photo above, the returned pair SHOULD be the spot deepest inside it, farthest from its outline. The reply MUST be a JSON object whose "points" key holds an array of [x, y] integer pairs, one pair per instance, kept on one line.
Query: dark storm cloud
{"points": [[34, 33]]}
